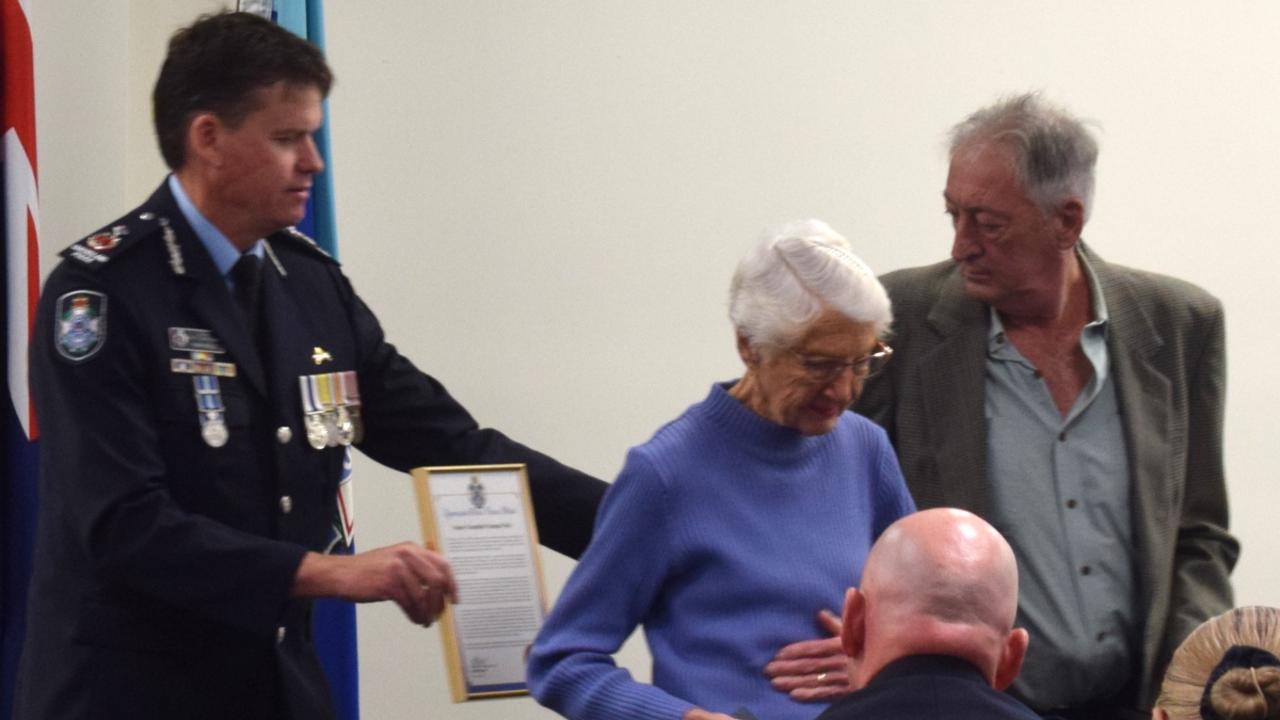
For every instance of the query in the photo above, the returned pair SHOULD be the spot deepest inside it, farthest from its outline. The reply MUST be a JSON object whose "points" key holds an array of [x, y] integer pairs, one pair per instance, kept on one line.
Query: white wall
{"points": [[544, 201]]}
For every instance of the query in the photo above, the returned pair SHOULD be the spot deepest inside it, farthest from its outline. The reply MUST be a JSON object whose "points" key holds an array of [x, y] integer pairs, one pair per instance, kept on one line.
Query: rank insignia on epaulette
{"points": [[106, 241], [81, 326]]}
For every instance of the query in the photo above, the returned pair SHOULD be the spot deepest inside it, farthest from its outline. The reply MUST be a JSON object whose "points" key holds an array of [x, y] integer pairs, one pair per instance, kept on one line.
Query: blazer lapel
{"points": [[952, 377], [1144, 394]]}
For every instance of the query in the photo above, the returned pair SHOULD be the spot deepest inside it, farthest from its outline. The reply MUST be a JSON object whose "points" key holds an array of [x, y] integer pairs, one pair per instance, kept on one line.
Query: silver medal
{"points": [[214, 430], [317, 435], [346, 429]]}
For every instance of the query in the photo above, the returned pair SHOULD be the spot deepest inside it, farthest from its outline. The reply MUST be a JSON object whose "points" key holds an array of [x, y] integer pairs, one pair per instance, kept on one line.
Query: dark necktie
{"points": [[247, 276]]}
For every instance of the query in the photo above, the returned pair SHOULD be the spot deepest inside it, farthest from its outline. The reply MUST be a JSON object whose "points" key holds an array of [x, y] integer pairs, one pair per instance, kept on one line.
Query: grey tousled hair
{"points": [[794, 272], [1054, 153]]}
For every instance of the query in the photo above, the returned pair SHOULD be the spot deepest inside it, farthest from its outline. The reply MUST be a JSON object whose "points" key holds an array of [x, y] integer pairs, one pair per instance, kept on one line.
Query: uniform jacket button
{"points": [[284, 434], [286, 504], [280, 633]]}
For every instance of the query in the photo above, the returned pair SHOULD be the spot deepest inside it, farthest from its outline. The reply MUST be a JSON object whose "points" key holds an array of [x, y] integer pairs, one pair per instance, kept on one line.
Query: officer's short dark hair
{"points": [[215, 65]]}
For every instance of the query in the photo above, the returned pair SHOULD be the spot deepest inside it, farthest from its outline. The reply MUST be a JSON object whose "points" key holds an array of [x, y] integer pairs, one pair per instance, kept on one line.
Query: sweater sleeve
{"points": [[611, 591], [892, 499]]}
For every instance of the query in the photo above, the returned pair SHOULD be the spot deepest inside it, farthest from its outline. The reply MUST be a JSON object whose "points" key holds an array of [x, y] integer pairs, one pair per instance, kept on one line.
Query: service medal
{"points": [[213, 430], [313, 412], [349, 390], [346, 429], [325, 396], [209, 408], [317, 434]]}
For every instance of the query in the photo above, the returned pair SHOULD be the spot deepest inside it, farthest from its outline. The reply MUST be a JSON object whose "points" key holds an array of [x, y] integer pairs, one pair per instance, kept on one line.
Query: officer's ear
{"points": [[204, 138]]}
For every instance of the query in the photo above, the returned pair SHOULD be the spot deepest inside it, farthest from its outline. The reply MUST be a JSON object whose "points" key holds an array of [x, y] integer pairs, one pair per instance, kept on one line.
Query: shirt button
{"points": [[1086, 570], [284, 434], [286, 504], [1062, 436], [1072, 504], [280, 633]]}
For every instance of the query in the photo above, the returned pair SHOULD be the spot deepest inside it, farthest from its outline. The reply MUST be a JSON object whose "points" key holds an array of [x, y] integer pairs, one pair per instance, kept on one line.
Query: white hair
{"points": [[1054, 154], [795, 272]]}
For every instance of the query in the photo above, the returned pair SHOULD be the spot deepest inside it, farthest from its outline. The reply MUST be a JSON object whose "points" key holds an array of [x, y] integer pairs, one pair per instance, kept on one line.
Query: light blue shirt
{"points": [[224, 254], [1061, 497]]}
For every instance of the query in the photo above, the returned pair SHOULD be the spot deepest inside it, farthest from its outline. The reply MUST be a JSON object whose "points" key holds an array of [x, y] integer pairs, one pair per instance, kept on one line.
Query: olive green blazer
{"points": [[1166, 347]]}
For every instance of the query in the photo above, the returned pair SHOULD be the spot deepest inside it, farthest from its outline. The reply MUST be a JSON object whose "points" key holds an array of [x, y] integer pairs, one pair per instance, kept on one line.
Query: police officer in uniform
{"points": [[199, 370]]}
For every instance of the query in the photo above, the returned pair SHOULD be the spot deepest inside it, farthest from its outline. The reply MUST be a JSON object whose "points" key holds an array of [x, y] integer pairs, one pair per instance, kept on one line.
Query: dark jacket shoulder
{"points": [[291, 241], [106, 245]]}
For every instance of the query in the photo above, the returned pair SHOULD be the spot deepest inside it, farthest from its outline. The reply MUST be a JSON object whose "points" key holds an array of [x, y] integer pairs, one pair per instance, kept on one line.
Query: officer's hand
{"points": [[417, 579]]}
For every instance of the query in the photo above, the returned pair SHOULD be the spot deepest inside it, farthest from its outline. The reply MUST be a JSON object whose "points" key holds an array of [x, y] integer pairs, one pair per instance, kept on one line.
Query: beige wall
{"points": [[544, 201]]}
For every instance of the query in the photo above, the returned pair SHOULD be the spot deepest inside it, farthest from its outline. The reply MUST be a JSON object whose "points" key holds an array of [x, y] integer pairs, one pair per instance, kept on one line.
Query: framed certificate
{"points": [[480, 518]]}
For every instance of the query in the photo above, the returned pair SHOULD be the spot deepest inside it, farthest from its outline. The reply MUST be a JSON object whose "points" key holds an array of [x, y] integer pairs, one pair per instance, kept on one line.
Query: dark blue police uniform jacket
{"points": [[928, 687], [163, 563]]}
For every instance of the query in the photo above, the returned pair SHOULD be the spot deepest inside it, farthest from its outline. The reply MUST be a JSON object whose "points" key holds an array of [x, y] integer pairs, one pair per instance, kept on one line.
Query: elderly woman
{"points": [[728, 530], [1226, 669]]}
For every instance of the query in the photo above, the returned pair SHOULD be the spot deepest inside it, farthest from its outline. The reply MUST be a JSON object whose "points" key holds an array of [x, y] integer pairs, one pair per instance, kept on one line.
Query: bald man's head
{"points": [[939, 581]]}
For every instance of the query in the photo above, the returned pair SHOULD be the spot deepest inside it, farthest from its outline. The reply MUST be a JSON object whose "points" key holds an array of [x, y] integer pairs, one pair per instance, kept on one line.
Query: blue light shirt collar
{"points": [[224, 254], [1093, 337]]}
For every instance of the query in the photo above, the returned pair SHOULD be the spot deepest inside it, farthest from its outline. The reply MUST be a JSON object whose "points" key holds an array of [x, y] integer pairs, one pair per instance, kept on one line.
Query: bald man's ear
{"points": [[853, 626], [1011, 655]]}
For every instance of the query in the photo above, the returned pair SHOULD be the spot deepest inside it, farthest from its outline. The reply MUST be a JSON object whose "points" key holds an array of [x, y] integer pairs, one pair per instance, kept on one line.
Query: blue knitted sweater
{"points": [[724, 536]]}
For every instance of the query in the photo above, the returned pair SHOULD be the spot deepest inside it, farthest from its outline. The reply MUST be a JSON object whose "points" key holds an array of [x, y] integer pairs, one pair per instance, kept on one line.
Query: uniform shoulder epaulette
{"points": [[294, 238], [100, 247]]}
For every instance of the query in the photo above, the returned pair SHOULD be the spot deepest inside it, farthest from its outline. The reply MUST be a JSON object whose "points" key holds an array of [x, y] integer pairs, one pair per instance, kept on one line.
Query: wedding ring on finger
{"points": [[822, 677]]}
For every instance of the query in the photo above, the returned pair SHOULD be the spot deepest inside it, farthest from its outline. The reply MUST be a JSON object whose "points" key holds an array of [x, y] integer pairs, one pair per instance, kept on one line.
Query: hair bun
{"points": [[1247, 693]]}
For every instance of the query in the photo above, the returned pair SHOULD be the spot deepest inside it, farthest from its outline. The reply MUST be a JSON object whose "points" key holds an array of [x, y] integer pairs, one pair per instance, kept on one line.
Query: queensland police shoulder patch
{"points": [[80, 324]]}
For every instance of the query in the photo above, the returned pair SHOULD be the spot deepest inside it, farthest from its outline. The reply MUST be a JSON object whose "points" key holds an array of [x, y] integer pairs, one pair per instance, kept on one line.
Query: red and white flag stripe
{"points": [[21, 200]]}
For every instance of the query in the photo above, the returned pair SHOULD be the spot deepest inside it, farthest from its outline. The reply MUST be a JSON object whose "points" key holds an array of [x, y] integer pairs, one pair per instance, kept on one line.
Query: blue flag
{"points": [[334, 620], [20, 276]]}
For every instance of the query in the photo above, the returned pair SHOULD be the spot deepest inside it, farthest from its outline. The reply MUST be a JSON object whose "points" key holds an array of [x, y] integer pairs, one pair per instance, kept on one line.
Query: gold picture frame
{"points": [[480, 517]]}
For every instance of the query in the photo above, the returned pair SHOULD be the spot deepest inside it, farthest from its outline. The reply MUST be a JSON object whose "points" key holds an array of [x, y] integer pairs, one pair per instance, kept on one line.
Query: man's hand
{"points": [[813, 669], [417, 579]]}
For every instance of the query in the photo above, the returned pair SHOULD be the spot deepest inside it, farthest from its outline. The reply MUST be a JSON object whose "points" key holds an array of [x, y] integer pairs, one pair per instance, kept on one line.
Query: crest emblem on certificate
{"points": [[81, 324], [476, 488]]}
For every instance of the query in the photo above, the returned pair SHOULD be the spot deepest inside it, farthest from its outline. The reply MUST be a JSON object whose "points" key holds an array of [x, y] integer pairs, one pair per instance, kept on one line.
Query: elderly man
{"points": [[930, 629], [1075, 404], [200, 371]]}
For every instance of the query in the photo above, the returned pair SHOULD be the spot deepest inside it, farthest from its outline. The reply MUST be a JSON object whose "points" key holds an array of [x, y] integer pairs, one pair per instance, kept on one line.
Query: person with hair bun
{"points": [[739, 521], [1227, 669]]}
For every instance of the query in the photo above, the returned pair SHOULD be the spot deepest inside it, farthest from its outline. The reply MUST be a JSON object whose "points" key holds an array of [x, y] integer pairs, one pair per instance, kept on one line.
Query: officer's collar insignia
{"points": [[271, 253], [302, 240], [195, 340], [176, 262], [320, 355], [80, 327]]}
